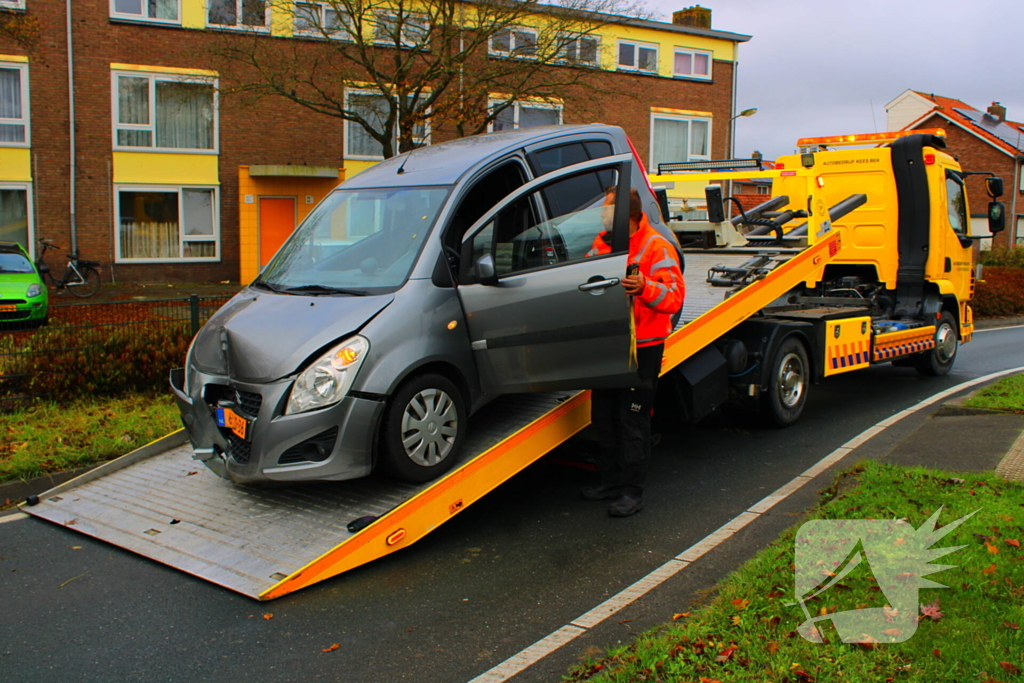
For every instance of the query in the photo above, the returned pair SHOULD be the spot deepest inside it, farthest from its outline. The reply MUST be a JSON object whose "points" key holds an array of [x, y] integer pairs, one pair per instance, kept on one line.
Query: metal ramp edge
{"points": [[265, 543]]}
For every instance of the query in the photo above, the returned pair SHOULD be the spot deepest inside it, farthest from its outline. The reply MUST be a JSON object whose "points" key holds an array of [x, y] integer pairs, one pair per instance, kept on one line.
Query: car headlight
{"points": [[34, 290], [329, 378]]}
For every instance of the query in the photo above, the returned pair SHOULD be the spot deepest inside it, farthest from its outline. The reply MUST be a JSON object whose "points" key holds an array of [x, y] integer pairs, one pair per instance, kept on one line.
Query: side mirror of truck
{"points": [[716, 209], [996, 215], [485, 271], [994, 187]]}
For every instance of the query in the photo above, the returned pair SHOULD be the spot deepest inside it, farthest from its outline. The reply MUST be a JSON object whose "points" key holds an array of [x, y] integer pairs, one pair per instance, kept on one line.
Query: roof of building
{"points": [[1007, 136]]}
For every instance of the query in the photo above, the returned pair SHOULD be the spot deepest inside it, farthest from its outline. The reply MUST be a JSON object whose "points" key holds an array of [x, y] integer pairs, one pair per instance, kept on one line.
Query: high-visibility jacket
{"points": [[664, 292]]}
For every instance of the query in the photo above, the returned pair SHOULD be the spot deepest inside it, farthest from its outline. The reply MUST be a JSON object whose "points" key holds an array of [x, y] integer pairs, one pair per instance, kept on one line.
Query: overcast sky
{"points": [[824, 67]]}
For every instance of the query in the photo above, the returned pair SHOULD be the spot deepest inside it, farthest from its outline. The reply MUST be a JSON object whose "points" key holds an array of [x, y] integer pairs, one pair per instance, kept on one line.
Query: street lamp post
{"points": [[732, 146]]}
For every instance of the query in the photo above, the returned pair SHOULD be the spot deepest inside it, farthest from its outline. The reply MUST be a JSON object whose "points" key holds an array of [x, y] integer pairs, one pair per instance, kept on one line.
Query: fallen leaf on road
{"points": [[740, 603], [991, 569], [1013, 541], [332, 648], [725, 655], [268, 616], [736, 620], [992, 549], [681, 615], [76, 547]]}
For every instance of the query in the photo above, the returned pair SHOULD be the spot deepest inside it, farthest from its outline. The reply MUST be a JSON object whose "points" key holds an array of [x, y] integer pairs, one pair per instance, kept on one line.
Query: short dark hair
{"points": [[636, 210]]}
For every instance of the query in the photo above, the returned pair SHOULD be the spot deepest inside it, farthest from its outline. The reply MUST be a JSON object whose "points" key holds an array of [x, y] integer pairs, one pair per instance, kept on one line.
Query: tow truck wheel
{"points": [[939, 361], [424, 427], [788, 381]]}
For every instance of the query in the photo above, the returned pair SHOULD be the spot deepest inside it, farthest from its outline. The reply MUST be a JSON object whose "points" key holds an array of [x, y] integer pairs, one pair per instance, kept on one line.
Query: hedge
{"points": [[1001, 292], [1006, 257]]}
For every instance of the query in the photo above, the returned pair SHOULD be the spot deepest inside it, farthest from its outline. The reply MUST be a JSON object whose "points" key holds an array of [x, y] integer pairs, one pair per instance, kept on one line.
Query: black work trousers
{"points": [[622, 420]]}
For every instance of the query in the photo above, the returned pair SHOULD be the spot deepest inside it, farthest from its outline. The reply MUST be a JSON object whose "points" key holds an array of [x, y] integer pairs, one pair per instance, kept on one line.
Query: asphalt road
{"points": [[508, 571]]}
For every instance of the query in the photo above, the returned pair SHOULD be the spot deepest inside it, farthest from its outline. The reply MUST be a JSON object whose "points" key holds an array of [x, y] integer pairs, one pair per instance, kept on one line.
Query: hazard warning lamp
{"points": [[866, 138]]}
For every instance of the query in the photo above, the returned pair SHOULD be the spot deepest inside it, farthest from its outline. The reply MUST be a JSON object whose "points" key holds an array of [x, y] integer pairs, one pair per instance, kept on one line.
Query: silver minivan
{"points": [[412, 295]]}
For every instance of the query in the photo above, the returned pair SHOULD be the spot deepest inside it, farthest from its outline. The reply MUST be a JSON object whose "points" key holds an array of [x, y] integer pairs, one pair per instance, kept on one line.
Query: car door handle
{"points": [[599, 284]]}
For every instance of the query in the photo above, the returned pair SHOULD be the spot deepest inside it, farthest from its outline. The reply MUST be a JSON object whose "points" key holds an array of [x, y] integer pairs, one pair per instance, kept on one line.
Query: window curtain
{"points": [[10, 105], [14, 217], [670, 142], [699, 138], [531, 117], [133, 107], [223, 12], [184, 115], [149, 225], [374, 109], [163, 9]]}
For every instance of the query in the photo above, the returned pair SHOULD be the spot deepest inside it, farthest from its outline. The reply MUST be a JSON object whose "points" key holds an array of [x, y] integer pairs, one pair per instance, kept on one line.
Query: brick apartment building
{"points": [[981, 141], [165, 180]]}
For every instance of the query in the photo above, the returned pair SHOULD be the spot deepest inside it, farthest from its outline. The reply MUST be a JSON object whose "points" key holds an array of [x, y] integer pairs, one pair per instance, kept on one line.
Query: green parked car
{"points": [[23, 296]]}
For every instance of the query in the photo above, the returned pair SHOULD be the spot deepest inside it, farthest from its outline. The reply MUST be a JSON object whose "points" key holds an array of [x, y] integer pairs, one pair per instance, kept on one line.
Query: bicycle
{"points": [[80, 277]]}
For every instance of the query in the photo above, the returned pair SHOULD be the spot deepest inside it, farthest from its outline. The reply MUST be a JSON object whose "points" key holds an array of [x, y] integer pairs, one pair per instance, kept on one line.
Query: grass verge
{"points": [[748, 633], [48, 437], [1006, 394]]}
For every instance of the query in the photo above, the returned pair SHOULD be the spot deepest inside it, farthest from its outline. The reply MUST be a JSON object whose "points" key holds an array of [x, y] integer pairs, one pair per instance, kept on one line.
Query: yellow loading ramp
{"points": [[268, 542]]}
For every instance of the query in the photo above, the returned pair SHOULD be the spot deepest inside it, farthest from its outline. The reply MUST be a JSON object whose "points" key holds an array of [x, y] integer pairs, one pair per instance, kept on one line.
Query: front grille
{"points": [[12, 302], [249, 402], [240, 450], [316, 449], [14, 315]]}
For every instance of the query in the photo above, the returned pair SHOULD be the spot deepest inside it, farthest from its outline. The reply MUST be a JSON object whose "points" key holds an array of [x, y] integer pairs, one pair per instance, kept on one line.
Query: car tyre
{"points": [[939, 361], [423, 430], [788, 380]]}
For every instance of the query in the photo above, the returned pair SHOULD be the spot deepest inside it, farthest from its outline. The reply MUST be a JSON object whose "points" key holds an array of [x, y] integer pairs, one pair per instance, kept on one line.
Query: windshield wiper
{"points": [[267, 285], [317, 290]]}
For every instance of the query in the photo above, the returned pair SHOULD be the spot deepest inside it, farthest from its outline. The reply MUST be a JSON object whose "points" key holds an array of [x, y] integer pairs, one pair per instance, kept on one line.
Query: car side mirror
{"points": [[996, 215], [485, 271], [716, 209], [43, 268], [994, 187]]}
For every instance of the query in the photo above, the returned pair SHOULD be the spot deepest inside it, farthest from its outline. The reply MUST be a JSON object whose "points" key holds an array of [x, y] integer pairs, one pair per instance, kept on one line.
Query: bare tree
{"points": [[399, 68]]}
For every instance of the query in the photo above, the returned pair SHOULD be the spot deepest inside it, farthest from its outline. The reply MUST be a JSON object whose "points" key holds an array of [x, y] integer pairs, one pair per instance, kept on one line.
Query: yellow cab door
{"points": [[951, 258]]}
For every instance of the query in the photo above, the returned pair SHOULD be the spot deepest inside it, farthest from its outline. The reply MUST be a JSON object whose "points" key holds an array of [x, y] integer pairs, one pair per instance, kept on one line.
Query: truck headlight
{"points": [[329, 378], [33, 290]]}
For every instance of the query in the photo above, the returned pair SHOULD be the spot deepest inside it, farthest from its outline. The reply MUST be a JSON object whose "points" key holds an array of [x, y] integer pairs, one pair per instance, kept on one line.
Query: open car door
{"points": [[546, 311]]}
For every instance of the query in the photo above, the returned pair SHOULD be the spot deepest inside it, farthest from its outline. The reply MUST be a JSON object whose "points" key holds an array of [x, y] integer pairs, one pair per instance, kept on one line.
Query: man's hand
{"points": [[634, 284]]}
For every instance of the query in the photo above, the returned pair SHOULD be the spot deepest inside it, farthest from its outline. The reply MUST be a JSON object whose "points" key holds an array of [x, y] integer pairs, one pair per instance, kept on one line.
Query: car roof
{"points": [[13, 247], [446, 162]]}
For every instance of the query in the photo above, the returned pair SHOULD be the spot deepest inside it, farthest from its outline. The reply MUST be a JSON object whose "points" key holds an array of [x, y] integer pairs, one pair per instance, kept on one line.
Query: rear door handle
{"points": [[599, 284]]}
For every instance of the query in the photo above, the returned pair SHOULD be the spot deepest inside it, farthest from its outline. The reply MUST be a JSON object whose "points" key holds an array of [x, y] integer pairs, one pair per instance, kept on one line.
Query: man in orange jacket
{"points": [[622, 417]]}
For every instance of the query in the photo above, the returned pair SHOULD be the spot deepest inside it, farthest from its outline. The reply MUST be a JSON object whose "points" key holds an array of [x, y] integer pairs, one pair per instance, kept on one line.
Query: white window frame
{"points": [[576, 38], [512, 47], [153, 77], [141, 17], [636, 56], [340, 34], [26, 117], [379, 38], [264, 28], [693, 58], [517, 108], [424, 141], [29, 211], [182, 238], [13, 4], [689, 142]]}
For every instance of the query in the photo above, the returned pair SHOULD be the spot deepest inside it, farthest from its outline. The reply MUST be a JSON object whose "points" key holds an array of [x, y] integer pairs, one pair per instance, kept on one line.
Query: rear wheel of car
{"points": [[423, 429]]}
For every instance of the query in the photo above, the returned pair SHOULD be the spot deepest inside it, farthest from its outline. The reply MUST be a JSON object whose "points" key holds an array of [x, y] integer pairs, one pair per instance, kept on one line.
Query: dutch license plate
{"points": [[8, 308], [233, 421]]}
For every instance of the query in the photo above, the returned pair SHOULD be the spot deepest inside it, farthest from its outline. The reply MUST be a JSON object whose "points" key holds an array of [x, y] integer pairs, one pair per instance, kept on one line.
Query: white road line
{"points": [[13, 517], [542, 648], [994, 329]]}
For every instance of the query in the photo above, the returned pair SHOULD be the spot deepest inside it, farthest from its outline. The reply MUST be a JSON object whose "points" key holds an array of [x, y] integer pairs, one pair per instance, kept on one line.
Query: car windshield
{"points": [[356, 242], [15, 263]]}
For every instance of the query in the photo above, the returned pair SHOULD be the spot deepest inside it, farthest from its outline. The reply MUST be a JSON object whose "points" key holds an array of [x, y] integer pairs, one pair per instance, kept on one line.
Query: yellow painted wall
{"points": [[15, 164], [165, 169], [193, 13]]}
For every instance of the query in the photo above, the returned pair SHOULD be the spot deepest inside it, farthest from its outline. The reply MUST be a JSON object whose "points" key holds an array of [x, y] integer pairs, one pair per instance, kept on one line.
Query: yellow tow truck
{"points": [[860, 257]]}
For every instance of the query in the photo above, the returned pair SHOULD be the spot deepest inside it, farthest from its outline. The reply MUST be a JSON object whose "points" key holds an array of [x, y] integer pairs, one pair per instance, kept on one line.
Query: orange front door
{"points": [[277, 222]]}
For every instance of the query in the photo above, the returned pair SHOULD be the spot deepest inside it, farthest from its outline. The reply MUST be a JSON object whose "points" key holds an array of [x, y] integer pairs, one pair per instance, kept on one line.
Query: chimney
{"points": [[997, 111], [695, 17]]}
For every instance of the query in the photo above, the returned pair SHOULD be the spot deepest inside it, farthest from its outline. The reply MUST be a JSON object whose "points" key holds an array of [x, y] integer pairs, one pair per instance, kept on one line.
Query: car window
{"points": [[15, 263], [523, 240]]}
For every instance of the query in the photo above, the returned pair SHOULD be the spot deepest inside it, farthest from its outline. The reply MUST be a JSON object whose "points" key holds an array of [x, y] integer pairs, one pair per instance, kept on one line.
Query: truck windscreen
{"points": [[356, 242]]}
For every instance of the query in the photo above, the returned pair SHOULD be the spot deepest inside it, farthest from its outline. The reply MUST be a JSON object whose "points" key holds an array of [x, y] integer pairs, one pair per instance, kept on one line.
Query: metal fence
{"points": [[89, 347]]}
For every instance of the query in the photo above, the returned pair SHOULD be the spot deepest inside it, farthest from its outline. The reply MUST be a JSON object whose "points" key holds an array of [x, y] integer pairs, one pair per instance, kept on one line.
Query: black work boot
{"points": [[626, 505], [600, 492]]}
